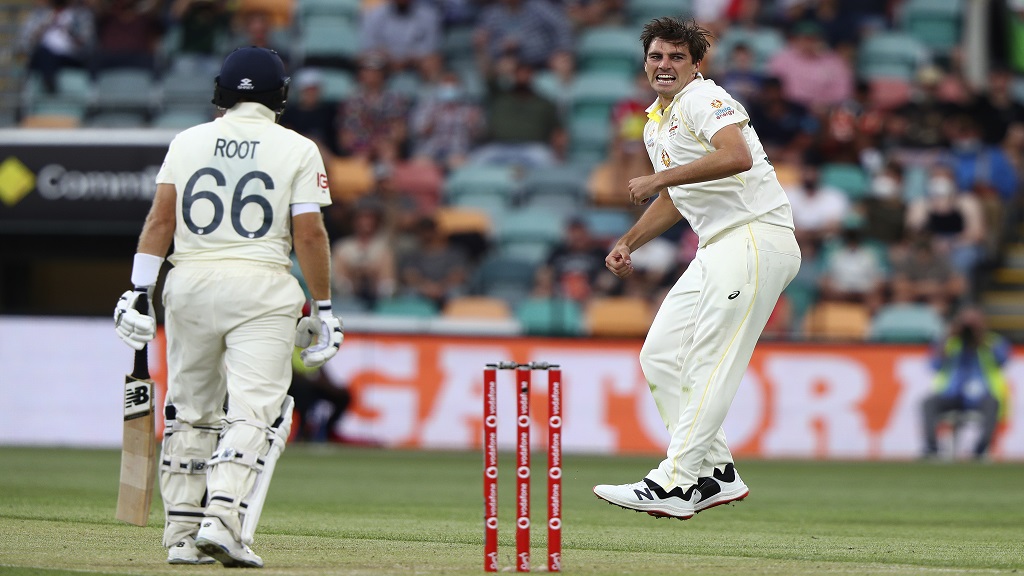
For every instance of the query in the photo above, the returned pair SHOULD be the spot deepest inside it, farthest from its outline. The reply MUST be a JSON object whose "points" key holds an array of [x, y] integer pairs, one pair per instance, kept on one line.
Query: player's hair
{"points": [[678, 31]]}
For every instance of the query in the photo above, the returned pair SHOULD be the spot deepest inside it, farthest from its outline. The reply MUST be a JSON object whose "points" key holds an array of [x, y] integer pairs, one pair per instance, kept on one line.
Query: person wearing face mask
{"points": [[968, 377], [445, 125], [818, 209], [884, 208], [953, 219], [975, 162]]}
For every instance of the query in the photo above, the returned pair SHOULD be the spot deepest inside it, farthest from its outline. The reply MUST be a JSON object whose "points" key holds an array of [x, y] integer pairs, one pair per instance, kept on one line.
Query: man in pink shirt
{"points": [[812, 74]]}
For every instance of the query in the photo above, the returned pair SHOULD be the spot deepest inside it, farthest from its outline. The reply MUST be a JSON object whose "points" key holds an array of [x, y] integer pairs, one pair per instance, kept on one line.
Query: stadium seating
{"points": [[837, 321], [310, 9], [123, 90], [336, 85], [618, 316], [330, 41], [895, 54], [550, 317], [609, 49], [472, 180], [936, 23], [763, 43], [640, 12], [558, 188], [906, 323], [413, 306], [477, 307], [850, 178], [508, 278]]}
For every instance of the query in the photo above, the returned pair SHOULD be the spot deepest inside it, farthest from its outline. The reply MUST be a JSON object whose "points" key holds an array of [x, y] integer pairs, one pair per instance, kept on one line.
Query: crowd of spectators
{"points": [[904, 189]]}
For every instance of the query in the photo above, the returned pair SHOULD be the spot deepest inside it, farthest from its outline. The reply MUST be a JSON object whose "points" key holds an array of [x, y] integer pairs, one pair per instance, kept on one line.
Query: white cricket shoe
{"points": [[722, 487], [217, 541], [185, 552], [648, 496]]}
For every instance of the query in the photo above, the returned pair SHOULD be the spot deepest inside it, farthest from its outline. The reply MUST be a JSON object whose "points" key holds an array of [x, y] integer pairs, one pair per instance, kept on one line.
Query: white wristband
{"points": [[324, 308], [146, 269]]}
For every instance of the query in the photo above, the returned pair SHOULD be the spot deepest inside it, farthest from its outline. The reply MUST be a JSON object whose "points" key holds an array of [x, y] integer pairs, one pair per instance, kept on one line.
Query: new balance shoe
{"points": [[647, 496], [185, 552], [217, 541], [722, 487]]}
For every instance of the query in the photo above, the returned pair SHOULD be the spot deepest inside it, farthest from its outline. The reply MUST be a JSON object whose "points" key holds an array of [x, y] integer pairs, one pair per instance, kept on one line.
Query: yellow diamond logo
{"points": [[16, 181]]}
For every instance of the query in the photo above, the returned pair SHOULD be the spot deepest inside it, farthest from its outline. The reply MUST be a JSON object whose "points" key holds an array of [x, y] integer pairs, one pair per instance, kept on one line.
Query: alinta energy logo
{"points": [[16, 181]]}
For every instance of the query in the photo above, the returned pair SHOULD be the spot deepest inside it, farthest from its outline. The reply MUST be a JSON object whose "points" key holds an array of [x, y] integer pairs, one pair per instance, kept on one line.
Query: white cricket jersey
{"points": [[682, 134], [236, 179]]}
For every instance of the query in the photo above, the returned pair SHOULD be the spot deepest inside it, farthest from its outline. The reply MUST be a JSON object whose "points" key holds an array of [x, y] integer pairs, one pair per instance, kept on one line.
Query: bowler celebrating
{"points": [[711, 169]]}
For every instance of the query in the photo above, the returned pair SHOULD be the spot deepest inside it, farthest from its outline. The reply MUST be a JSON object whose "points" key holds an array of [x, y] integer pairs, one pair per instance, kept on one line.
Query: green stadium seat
{"points": [[610, 49], [936, 23], [328, 41], [504, 277], [906, 323], [640, 12], [120, 89], [336, 85], [550, 317], [180, 119], [849, 178], [763, 42], [312, 9], [595, 93], [891, 54], [481, 180], [413, 306]]}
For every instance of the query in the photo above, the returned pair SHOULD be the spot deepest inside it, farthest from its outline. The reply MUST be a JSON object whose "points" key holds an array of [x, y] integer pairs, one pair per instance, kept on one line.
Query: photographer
{"points": [[968, 377]]}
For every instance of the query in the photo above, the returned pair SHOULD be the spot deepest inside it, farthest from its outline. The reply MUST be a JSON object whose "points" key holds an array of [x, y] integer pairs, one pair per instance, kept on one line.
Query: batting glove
{"points": [[132, 326], [319, 335]]}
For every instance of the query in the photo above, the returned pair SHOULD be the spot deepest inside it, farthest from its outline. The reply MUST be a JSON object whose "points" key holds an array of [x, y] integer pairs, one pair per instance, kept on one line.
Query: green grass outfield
{"points": [[343, 510]]}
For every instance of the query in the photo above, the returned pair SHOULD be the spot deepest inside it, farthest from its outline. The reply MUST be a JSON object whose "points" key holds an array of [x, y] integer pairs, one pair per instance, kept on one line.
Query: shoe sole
{"points": [[719, 500], [180, 561], [220, 554], [653, 512]]}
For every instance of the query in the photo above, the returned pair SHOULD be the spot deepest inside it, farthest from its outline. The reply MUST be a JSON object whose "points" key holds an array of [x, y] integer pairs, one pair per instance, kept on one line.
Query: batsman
{"points": [[234, 195]]}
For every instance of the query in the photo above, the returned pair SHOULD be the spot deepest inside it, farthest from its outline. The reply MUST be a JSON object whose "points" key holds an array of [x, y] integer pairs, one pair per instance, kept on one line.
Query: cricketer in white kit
{"points": [[234, 195], [710, 169]]}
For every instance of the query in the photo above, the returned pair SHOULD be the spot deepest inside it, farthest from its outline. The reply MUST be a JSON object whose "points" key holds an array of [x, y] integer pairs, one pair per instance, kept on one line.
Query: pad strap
{"points": [[175, 465], [251, 459]]}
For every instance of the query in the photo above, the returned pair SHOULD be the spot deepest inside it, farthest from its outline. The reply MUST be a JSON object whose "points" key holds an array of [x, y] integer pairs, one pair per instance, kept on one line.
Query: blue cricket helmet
{"points": [[253, 74]]}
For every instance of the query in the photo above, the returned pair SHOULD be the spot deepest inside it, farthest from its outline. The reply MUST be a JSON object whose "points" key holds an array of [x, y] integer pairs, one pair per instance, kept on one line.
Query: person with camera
{"points": [[968, 378]]}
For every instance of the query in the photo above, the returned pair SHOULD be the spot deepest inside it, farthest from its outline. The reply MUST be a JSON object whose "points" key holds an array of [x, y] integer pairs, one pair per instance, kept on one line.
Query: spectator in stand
{"points": [[976, 162], [256, 28], [590, 13], [446, 125], [202, 23], [127, 34], [818, 210], [853, 271], [953, 220], [434, 269], [920, 122], [919, 274], [787, 129], [574, 267], [312, 391], [308, 114], [851, 127], [531, 30], [811, 73], [523, 127], [59, 34], [968, 366], [741, 78], [884, 208], [996, 108], [403, 31], [373, 122], [363, 264]]}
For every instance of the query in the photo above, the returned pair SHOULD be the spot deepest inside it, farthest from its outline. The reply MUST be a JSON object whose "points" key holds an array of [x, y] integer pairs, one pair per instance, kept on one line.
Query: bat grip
{"points": [[141, 368]]}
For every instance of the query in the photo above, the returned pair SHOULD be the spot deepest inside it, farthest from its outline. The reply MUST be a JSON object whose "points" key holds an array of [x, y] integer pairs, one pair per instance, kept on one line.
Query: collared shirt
{"points": [[413, 34], [682, 132], [236, 179], [537, 28]]}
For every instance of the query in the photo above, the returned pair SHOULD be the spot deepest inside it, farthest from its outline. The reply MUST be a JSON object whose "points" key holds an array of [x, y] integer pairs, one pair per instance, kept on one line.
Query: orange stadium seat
{"points": [[618, 316], [350, 178], [837, 321], [477, 307], [280, 10]]}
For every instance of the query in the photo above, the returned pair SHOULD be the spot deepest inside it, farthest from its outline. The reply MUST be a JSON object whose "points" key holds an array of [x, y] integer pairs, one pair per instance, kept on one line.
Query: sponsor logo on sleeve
{"points": [[321, 180]]}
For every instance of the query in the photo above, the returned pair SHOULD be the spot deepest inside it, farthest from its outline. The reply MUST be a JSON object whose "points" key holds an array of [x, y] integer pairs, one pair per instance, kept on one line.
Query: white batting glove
{"points": [[319, 335], [132, 326]]}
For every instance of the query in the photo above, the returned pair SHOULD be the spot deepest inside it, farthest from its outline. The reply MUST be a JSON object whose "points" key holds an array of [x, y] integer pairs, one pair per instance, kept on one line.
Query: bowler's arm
{"points": [[731, 156]]}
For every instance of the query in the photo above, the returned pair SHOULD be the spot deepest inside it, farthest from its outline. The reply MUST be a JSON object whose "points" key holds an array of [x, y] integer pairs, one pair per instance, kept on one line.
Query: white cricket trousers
{"points": [[703, 336], [230, 329]]}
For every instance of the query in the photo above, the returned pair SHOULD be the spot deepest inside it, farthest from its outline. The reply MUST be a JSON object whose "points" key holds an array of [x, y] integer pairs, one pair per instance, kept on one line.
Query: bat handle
{"points": [[141, 369]]}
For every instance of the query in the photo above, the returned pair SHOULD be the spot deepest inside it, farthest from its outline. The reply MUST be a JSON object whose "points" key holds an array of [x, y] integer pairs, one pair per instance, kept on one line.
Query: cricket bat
{"points": [[138, 449]]}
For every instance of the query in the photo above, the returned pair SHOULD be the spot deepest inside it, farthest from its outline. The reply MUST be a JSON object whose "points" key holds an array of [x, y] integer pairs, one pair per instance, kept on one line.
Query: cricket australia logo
{"points": [[716, 104], [665, 160], [245, 84]]}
